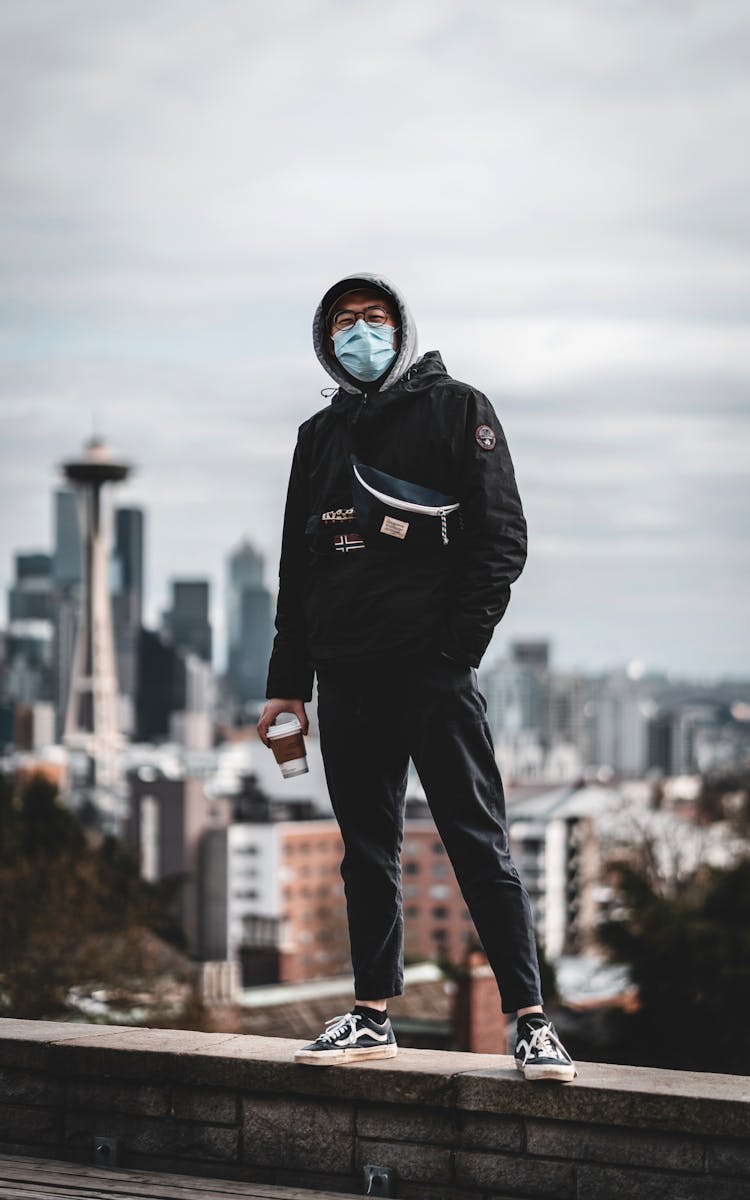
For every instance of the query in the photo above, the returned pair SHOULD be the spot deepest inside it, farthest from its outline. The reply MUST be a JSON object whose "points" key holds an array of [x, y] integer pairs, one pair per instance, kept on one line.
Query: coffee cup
{"points": [[288, 745]]}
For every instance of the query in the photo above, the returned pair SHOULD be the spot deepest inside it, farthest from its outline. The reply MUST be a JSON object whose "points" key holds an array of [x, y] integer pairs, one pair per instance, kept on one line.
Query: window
{"points": [[438, 848], [411, 890], [440, 913], [440, 869], [411, 912], [440, 892], [439, 935], [411, 868]]}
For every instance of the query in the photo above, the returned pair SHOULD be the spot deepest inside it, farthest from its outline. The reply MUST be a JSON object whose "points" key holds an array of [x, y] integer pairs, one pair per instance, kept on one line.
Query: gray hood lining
{"points": [[407, 351]]}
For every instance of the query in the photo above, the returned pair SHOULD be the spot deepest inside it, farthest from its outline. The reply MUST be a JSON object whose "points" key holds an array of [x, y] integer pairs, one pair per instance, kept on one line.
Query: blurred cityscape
{"points": [[136, 734]]}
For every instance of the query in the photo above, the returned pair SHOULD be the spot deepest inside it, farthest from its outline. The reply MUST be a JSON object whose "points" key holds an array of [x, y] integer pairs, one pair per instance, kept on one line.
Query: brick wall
{"points": [[453, 1125]]}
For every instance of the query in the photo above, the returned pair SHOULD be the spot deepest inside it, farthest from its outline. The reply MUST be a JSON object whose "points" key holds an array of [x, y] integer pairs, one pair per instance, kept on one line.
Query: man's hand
{"points": [[271, 710]]}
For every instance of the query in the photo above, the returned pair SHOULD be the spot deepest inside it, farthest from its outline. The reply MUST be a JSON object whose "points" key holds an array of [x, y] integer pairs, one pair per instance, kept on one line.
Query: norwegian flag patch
{"points": [[348, 541]]}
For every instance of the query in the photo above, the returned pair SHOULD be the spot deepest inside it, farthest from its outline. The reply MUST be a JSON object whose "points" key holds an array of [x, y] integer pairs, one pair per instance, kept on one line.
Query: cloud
{"points": [[559, 188]]}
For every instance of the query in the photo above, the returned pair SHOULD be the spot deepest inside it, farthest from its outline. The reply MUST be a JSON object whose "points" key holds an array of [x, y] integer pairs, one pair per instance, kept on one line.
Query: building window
{"points": [[440, 913], [439, 935], [439, 892], [440, 869], [411, 890], [438, 848], [411, 868], [411, 912]]}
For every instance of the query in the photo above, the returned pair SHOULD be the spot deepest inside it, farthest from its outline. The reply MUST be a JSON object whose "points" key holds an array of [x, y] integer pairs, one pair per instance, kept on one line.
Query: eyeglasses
{"points": [[374, 314]]}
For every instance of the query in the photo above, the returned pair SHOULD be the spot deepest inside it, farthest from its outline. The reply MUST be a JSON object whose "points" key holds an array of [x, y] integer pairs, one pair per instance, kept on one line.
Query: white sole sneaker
{"points": [[562, 1072], [327, 1058]]}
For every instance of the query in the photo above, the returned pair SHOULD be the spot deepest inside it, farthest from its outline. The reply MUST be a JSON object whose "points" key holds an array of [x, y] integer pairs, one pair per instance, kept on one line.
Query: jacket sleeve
{"points": [[290, 673], [493, 545]]}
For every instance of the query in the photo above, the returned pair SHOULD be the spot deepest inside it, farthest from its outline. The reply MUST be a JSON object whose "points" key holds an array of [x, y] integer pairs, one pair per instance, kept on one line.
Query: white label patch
{"points": [[393, 527]]}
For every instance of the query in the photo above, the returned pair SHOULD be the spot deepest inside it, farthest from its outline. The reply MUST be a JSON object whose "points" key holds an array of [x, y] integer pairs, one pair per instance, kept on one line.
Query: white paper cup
{"points": [[288, 745]]}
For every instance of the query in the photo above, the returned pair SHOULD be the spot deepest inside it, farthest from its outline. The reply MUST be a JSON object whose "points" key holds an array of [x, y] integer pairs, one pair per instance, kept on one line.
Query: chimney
{"points": [[479, 1023]]}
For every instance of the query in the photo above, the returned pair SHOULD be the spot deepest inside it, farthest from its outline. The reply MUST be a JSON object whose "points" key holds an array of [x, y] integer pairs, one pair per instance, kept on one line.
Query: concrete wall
{"points": [[455, 1126]]}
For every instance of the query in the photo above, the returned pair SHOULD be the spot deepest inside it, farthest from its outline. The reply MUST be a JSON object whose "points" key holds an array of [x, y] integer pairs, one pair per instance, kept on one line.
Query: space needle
{"points": [[91, 726]]}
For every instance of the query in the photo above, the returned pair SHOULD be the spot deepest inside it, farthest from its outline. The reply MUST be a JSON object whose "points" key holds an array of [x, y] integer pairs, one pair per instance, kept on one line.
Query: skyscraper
{"points": [[126, 568], [249, 624], [67, 578], [30, 595], [29, 643], [186, 625]]}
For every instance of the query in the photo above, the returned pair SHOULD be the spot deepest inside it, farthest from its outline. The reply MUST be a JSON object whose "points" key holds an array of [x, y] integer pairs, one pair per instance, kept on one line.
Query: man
{"points": [[394, 630]]}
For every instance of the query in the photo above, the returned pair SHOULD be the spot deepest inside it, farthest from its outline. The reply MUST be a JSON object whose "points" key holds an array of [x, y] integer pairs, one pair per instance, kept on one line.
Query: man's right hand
{"points": [[271, 710]]}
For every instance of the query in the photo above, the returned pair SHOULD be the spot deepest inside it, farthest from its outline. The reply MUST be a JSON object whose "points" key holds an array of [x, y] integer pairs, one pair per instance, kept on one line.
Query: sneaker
{"points": [[539, 1052], [349, 1038]]}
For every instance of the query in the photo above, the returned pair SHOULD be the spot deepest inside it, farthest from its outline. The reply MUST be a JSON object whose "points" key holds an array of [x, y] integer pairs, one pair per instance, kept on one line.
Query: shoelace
{"points": [[337, 1025], [545, 1042]]}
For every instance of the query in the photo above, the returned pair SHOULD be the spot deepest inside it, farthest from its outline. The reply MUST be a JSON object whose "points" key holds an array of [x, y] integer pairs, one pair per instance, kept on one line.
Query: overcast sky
{"points": [[558, 186]]}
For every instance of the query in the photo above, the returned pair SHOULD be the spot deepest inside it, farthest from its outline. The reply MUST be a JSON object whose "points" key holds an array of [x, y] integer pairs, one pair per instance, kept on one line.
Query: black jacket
{"points": [[361, 604]]}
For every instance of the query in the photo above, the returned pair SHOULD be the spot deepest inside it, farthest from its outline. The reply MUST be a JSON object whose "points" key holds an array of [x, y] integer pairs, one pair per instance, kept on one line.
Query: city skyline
{"points": [[154, 609], [563, 208]]}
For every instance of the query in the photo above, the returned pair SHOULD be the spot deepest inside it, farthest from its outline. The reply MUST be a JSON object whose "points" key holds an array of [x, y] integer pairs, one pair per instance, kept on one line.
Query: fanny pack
{"points": [[393, 512]]}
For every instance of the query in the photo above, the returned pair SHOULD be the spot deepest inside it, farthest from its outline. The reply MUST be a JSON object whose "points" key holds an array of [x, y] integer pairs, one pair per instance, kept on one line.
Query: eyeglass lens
{"points": [[374, 314]]}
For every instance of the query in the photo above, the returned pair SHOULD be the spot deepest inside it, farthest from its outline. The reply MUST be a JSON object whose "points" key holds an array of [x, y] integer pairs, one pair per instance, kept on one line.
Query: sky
{"points": [[558, 186]]}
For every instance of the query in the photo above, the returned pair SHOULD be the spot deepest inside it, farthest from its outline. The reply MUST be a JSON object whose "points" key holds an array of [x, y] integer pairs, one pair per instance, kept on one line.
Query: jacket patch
{"points": [[485, 437], [348, 541], [394, 527]]}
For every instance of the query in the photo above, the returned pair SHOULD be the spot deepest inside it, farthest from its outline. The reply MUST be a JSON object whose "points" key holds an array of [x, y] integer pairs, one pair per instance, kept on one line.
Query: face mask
{"points": [[365, 351]]}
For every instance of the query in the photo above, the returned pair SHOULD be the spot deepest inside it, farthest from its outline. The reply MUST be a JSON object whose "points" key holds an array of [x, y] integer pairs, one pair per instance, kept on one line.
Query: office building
{"points": [[556, 845], [29, 638], [161, 687], [67, 575], [273, 899], [30, 594], [126, 577], [249, 625], [168, 818], [185, 624]]}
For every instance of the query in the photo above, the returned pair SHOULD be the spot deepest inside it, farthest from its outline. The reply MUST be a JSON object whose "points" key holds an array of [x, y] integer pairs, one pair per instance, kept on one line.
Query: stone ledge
{"points": [[640, 1097], [454, 1126]]}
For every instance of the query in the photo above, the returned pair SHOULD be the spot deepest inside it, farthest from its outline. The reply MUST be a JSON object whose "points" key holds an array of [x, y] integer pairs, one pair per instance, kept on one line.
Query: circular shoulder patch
{"points": [[485, 437]]}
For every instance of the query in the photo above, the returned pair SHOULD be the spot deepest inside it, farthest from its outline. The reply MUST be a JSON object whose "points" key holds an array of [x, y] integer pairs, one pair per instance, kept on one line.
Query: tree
{"points": [[689, 955], [73, 910]]}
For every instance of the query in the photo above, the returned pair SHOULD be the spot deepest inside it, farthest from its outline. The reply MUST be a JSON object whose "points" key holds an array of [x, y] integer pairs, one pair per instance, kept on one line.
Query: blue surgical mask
{"points": [[365, 351]]}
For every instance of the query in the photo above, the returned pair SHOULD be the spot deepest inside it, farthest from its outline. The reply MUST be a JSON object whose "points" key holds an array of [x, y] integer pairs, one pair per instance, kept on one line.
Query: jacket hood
{"points": [[407, 351]]}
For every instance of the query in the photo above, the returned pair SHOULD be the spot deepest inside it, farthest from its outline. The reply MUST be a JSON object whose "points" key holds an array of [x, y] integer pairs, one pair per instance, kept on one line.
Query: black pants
{"points": [[372, 719]]}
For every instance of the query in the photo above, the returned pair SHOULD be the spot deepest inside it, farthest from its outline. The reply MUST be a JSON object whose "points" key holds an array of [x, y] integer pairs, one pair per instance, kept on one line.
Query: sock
{"points": [[373, 1014], [534, 1016]]}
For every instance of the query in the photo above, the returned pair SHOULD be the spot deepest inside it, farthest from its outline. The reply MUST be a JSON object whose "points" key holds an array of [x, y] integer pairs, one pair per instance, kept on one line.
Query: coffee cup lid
{"points": [[283, 730]]}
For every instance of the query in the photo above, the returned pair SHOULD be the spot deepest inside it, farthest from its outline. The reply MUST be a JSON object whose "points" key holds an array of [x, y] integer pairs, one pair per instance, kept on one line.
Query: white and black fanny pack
{"points": [[392, 512]]}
